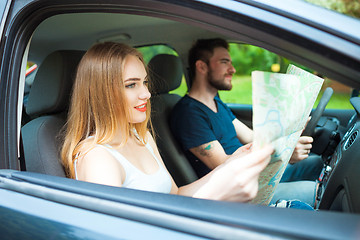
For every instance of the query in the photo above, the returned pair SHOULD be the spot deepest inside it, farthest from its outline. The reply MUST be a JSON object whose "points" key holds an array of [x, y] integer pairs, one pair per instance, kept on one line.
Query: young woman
{"points": [[107, 138]]}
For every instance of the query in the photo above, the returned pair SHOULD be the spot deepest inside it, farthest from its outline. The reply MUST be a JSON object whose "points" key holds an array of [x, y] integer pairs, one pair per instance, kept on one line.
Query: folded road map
{"points": [[282, 104]]}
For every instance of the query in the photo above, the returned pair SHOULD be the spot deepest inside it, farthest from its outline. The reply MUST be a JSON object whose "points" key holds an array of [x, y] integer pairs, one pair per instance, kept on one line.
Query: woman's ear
{"points": [[201, 67]]}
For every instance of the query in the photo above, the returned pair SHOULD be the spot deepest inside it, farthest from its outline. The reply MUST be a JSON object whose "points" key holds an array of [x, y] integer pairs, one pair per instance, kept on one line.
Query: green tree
{"points": [[247, 58], [348, 7]]}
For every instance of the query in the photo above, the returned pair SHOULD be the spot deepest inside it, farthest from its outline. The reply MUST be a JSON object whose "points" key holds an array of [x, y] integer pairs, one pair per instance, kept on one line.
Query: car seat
{"points": [[47, 106], [166, 73]]}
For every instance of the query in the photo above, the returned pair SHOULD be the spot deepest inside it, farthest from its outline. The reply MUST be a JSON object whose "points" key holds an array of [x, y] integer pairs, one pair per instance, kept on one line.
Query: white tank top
{"points": [[157, 182]]}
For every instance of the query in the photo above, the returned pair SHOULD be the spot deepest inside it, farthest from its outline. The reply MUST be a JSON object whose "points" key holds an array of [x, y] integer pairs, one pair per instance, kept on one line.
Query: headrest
{"points": [[50, 92], [166, 72]]}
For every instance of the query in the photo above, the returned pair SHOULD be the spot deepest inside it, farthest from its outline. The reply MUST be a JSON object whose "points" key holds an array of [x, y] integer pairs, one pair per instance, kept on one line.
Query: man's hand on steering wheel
{"points": [[302, 149]]}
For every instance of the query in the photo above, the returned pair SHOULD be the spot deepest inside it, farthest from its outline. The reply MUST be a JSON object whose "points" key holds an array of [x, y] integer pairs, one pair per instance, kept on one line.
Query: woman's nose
{"points": [[145, 94]]}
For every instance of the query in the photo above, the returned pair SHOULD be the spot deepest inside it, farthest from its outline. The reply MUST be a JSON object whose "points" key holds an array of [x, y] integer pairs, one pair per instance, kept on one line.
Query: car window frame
{"points": [[35, 17], [28, 18], [12, 55]]}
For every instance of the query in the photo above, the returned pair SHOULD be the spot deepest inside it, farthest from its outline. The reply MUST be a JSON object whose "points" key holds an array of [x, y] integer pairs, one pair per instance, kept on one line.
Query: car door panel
{"points": [[65, 208], [67, 205], [243, 112]]}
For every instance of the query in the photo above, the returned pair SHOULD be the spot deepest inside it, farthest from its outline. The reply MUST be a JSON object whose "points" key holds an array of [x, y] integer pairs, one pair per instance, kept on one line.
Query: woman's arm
{"points": [[234, 180]]}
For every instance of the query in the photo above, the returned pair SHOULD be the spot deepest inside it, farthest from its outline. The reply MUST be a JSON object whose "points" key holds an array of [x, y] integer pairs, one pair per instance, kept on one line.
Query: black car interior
{"points": [[48, 103], [47, 106], [166, 71]]}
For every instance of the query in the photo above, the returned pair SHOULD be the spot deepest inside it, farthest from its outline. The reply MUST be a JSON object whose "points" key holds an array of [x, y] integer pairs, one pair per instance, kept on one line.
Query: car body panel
{"points": [[181, 214], [36, 218], [4, 8]]}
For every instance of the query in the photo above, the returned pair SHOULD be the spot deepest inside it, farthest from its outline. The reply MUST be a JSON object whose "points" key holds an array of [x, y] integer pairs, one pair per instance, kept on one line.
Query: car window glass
{"points": [[247, 58], [31, 69], [150, 51]]}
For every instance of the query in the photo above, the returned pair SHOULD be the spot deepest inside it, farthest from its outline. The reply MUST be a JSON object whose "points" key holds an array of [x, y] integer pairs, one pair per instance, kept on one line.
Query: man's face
{"points": [[220, 69]]}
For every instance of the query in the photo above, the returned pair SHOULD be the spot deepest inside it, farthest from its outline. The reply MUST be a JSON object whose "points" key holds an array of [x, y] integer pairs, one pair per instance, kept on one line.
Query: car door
{"points": [[42, 206]]}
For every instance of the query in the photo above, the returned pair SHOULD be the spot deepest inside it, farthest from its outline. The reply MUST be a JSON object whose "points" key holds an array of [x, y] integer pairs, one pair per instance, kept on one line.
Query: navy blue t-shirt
{"points": [[194, 124]]}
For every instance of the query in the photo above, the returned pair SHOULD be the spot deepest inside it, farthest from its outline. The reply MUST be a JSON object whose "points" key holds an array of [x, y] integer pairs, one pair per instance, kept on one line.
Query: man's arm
{"points": [[243, 132], [211, 153], [301, 151]]}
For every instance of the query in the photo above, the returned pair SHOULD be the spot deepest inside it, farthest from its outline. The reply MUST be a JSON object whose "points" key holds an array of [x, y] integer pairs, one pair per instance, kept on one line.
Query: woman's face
{"points": [[136, 90]]}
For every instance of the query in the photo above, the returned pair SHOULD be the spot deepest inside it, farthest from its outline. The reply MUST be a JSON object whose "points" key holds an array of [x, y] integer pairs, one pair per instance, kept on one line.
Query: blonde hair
{"points": [[98, 105]]}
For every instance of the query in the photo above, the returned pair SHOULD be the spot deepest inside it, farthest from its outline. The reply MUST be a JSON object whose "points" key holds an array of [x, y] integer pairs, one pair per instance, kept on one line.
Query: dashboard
{"points": [[339, 185]]}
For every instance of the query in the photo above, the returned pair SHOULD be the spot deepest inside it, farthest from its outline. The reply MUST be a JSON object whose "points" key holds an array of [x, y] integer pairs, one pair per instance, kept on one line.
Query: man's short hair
{"points": [[203, 49]]}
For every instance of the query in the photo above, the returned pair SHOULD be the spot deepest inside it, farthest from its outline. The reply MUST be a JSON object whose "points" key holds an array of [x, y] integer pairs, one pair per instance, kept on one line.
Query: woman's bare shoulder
{"points": [[100, 166]]}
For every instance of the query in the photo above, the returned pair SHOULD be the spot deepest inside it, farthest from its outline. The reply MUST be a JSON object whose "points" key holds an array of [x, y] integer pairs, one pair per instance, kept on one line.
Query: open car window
{"points": [[247, 58]]}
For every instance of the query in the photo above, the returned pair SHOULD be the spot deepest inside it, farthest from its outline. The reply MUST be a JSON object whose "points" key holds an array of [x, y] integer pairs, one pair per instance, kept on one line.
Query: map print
{"points": [[282, 104]]}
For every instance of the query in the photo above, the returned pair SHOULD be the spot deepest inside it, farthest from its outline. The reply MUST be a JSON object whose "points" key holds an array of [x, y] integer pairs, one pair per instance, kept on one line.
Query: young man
{"points": [[208, 131]]}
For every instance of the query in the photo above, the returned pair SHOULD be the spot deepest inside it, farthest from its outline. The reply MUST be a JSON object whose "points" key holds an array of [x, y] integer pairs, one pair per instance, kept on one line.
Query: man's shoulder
{"points": [[186, 104], [186, 109]]}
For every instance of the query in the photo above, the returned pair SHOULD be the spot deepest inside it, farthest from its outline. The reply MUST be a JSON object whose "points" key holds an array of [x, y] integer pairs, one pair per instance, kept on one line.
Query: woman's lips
{"points": [[141, 108]]}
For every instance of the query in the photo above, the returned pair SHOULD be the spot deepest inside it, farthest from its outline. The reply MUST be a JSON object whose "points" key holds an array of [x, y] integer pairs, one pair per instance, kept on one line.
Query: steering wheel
{"points": [[315, 117]]}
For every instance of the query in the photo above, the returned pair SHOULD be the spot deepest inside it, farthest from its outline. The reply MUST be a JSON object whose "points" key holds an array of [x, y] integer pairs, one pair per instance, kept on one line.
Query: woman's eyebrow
{"points": [[136, 78], [132, 79]]}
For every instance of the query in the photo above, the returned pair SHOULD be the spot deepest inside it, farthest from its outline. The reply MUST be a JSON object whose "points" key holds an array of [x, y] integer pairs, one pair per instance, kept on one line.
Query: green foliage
{"points": [[247, 58], [182, 89], [149, 52], [242, 94], [348, 7], [241, 91]]}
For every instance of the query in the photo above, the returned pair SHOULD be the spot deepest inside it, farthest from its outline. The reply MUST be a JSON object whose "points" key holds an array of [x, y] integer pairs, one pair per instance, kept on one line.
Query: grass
{"points": [[242, 90]]}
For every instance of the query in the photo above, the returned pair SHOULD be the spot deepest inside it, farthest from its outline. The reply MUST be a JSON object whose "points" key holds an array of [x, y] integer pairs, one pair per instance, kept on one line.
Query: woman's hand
{"points": [[237, 178], [241, 151]]}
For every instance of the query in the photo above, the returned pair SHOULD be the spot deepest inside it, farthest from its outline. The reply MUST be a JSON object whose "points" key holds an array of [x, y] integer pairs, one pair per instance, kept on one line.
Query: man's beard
{"points": [[220, 83]]}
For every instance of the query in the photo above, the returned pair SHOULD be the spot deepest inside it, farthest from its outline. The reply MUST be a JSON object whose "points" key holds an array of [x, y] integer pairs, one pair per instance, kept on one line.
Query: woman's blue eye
{"points": [[131, 85]]}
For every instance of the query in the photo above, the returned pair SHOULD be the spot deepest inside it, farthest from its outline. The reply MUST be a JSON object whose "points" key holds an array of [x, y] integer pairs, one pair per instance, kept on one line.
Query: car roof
{"points": [[60, 32], [315, 37]]}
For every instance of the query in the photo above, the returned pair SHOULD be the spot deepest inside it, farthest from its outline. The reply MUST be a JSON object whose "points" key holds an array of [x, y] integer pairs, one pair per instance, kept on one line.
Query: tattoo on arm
{"points": [[204, 150]]}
